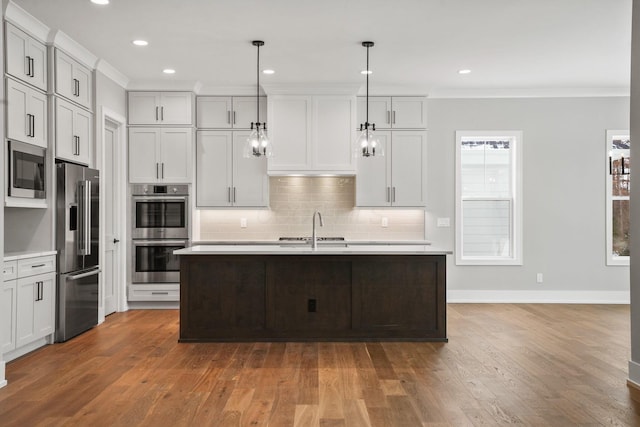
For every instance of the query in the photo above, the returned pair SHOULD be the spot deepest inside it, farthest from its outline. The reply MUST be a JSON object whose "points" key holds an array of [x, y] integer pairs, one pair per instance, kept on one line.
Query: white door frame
{"points": [[121, 185]]}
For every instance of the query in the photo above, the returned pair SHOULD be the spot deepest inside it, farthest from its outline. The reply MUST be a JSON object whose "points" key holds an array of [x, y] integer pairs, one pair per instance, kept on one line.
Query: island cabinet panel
{"points": [[227, 299], [308, 294], [289, 297], [398, 294]]}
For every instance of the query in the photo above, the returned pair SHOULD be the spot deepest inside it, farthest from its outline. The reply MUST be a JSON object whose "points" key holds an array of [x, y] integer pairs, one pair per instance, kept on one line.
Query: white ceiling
{"points": [[510, 45]]}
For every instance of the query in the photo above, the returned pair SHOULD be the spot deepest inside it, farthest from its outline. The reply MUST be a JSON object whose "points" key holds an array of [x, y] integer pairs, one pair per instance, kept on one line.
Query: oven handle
{"points": [[159, 242], [158, 198]]}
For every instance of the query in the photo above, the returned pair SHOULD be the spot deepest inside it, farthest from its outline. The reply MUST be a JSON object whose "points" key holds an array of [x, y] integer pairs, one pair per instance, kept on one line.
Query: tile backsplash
{"points": [[292, 203]]}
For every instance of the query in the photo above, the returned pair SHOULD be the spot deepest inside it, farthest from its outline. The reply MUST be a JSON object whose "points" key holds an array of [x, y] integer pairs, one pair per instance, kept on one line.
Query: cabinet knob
{"points": [[116, 240]]}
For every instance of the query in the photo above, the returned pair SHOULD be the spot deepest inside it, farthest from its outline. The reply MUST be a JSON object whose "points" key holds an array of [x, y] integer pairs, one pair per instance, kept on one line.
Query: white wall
{"points": [[564, 195], [110, 94]]}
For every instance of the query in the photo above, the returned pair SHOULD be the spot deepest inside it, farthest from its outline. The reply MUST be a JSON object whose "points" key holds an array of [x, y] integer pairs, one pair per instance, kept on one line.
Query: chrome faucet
{"points": [[314, 241]]}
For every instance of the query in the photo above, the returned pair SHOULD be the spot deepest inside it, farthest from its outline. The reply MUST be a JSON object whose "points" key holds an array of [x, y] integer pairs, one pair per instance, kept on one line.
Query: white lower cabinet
{"points": [[159, 155], [27, 304], [399, 177], [224, 177], [35, 308]]}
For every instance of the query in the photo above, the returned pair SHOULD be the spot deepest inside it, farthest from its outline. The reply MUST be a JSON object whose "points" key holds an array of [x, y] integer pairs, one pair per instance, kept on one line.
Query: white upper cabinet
{"points": [[228, 112], [312, 134], [399, 177], [26, 114], [73, 80], [26, 57], [161, 108], [73, 130], [223, 176], [394, 112], [160, 155]]}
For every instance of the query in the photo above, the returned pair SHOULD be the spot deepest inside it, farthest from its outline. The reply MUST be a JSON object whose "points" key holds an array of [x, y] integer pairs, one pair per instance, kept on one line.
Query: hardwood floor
{"points": [[534, 365]]}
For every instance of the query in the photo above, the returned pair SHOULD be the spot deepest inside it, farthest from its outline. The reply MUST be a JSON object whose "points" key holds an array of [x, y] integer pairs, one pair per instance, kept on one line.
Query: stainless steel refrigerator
{"points": [[77, 241]]}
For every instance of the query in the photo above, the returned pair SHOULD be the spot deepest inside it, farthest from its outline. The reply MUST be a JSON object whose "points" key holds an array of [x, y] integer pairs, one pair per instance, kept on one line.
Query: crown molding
{"points": [[26, 22], [160, 85], [62, 41], [111, 72], [583, 92], [311, 89]]}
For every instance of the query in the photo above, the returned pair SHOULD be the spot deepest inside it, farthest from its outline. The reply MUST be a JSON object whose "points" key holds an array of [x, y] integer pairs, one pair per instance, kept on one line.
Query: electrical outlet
{"points": [[243, 222], [539, 278], [443, 222], [385, 221]]}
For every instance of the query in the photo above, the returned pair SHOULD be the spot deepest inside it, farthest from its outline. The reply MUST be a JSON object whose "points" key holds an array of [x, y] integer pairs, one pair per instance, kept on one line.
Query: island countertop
{"points": [[323, 249]]}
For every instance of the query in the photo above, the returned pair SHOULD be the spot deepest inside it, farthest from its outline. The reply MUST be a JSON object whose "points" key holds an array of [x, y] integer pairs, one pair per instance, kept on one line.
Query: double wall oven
{"points": [[159, 226]]}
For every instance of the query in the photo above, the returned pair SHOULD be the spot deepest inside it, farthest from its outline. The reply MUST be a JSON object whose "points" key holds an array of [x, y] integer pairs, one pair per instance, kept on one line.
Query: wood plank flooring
{"points": [[530, 365]]}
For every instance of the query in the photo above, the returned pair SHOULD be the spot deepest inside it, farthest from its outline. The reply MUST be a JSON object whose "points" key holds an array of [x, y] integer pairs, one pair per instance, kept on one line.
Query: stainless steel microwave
{"points": [[27, 170]]}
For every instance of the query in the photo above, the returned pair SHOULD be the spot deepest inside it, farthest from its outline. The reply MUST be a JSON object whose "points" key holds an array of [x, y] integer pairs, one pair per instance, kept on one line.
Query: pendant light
{"points": [[367, 144], [258, 143]]}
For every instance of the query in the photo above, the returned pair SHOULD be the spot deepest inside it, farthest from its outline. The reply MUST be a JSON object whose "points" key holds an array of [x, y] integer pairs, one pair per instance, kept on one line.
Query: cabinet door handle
{"points": [[38, 265], [156, 114], [228, 116], [388, 117], [388, 196], [234, 194], [393, 193], [76, 145], [41, 291], [229, 194], [77, 87], [159, 293], [162, 113], [32, 69], [394, 117], [29, 125], [28, 65], [33, 125], [162, 169], [234, 117], [157, 170]]}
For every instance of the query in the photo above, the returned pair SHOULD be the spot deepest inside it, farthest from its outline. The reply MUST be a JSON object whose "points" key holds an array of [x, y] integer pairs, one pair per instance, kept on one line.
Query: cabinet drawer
{"points": [[38, 265], [154, 292], [9, 270]]}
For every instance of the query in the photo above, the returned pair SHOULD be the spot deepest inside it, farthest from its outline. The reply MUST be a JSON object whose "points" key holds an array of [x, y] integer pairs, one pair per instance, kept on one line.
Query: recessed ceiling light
{"points": [[140, 42], [465, 71], [169, 71], [366, 72], [268, 71], [101, 2]]}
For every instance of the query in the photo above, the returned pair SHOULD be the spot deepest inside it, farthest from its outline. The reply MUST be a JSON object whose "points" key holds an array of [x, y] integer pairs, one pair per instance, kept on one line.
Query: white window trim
{"points": [[517, 207], [611, 260]]}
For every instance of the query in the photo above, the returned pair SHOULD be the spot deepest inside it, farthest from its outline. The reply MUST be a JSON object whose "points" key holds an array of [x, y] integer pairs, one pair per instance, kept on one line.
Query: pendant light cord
{"points": [[367, 71], [258, 88]]}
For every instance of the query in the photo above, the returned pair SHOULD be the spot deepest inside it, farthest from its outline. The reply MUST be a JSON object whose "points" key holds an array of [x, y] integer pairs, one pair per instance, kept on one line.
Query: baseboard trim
{"points": [[3, 381], [634, 375], [542, 297]]}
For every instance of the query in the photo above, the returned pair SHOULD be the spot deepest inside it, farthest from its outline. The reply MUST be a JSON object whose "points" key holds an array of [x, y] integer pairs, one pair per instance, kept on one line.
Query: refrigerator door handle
{"points": [[83, 275], [87, 218], [81, 217]]}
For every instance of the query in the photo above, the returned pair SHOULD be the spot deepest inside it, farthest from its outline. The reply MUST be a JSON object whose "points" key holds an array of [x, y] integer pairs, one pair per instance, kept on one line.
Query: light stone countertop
{"points": [[320, 242], [333, 249], [13, 256]]}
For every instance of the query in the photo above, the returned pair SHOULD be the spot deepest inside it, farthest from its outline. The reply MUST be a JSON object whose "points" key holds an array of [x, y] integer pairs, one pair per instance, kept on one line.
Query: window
{"points": [[618, 164], [489, 198]]}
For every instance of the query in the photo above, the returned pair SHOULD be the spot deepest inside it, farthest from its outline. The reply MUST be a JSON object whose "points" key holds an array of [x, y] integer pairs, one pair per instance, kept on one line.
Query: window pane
{"points": [[486, 167], [486, 227], [620, 174], [621, 220]]}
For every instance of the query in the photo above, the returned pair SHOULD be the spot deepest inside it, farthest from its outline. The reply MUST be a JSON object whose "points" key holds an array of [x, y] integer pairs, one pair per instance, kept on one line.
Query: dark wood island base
{"points": [[312, 298]]}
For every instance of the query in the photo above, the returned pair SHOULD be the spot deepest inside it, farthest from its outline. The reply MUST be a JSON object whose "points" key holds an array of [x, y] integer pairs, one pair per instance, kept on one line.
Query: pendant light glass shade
{"points": [[367, 144], [258, 144]]}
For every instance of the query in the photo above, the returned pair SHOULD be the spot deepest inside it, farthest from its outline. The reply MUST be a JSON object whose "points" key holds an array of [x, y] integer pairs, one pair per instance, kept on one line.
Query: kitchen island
{"points": [[296, 293]]}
